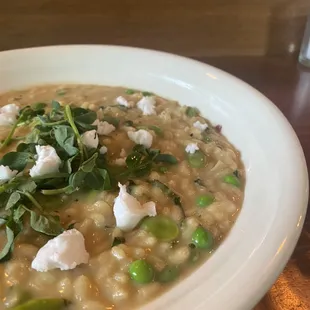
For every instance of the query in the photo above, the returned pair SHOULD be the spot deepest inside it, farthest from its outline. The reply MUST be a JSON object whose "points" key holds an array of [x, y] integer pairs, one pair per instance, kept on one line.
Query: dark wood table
{"points": [[287, 84]]}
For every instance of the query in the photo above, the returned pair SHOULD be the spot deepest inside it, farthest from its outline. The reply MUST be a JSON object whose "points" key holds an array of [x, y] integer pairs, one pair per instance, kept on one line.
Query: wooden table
{"points": [[287, 84]]}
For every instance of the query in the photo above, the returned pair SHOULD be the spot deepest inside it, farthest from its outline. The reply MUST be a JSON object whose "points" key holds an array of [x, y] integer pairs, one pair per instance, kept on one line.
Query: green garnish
{"points": [[46, 304], [167, 191], [199, 182], [141, 161], [147, 94], [141, 271], [111, 120], [232, 180], [191, 112], [117, 241], [162, 227], [26, 115], [61, 92], [81, 168], [130, 91], [156, 129]]}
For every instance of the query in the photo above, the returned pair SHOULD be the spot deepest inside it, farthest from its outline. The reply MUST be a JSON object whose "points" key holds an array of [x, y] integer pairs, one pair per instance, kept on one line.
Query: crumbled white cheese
{"points": [[128, 211], [90, 139], [120, 161], [8, 114], [64, 252], [103, 150], [141, 137], [191, 148], [122, 101], [147, 105], [103, 128], [6, 174], [47, 161], [200, 126]]}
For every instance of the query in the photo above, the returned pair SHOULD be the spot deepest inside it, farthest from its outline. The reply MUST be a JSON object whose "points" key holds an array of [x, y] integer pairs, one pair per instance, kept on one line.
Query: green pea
{"points": [[191, 112], [232, 179], [147, 94], [196, 160], [204, 200], [46, 304], [141, 271], [162, 227], [129, 91], [202, 238], [168, 274]]}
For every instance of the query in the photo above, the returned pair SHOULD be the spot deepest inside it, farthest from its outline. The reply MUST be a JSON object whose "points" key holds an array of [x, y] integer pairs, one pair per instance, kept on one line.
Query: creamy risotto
{"points": [[109, 196]]}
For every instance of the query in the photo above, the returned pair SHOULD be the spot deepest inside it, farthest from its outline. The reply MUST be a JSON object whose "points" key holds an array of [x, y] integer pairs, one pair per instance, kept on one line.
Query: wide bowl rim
{"points": [[289, 240]]}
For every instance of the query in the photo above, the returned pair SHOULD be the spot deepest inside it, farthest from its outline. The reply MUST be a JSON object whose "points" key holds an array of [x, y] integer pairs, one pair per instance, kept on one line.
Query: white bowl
{"points": [[276, 195]]}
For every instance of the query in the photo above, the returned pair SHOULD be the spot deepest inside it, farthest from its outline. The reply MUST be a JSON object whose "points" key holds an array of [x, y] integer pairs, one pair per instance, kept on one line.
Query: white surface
{"points": [[47, 162], [63, 252], [265, 234], [128, 211]]}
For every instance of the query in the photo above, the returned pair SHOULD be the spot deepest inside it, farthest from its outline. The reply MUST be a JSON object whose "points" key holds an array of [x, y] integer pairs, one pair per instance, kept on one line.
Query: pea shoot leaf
{"points": [[45, 224], [65, 138], [13, 200], [15, 160]]}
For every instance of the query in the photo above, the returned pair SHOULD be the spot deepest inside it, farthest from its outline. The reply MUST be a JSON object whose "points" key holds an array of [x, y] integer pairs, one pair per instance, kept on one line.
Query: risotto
{"points": [[109, 196]]}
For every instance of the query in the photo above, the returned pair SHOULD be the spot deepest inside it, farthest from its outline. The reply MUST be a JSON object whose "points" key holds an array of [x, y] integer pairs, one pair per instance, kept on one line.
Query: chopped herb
{"points": [[129, 91], [166, 158], [128, 123], [117, 241], [47, 304], [191, 112], [121, 107], [206, 138], [167, 191], [237, 173], [111, 120], [61, 92], [199, 182], [156, 129], [141, 160], [147, 94]]}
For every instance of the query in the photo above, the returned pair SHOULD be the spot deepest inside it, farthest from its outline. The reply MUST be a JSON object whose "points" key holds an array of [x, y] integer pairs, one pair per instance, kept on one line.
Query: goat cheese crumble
{"points": [[128, 211]]}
